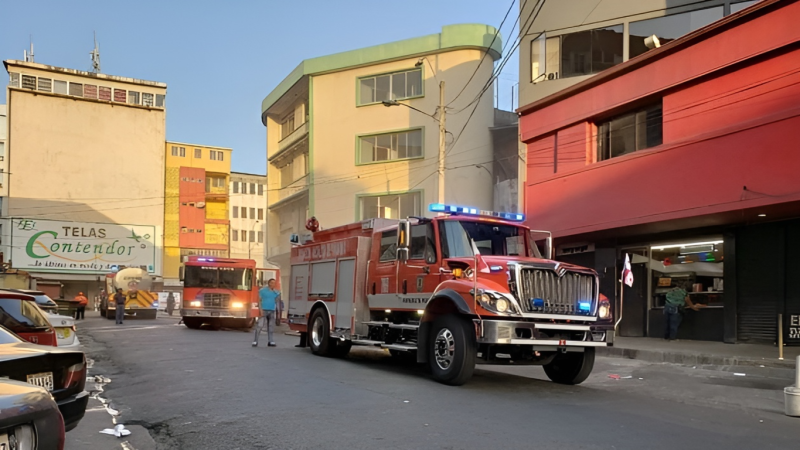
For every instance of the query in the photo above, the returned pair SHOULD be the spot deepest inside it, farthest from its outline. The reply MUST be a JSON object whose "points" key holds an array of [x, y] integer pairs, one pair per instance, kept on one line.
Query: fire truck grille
{"points": [[220, 301], [543, 291]]}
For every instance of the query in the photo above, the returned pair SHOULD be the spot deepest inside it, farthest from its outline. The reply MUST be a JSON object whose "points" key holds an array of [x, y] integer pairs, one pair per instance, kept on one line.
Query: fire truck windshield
{"points": [[490, 238], [218, 277]]}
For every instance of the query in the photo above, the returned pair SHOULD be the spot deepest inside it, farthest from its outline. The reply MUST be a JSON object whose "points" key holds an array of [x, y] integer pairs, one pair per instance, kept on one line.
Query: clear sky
{"points": [[221, 58]]}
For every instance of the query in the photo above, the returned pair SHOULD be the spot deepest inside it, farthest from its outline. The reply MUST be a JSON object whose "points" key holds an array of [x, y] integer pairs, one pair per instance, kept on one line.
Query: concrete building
{"points": [[248, 194], [337, 153], [84, 162], [196, 205], [3, 162], [684, 158]]}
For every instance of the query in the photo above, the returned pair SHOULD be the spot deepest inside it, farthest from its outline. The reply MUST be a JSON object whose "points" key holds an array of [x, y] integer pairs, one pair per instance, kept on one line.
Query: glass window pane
{"points": [[382, 88], [402, 145], [383, 147], [553, 61], [388, 250], [369, 207], [367, 90], [395, 145], [606, 48], [414, 83], [670, 27], [621, 135], [648, 127], [414, 144], [399, 85], [538, 61], [576, 54], [736, 7]]}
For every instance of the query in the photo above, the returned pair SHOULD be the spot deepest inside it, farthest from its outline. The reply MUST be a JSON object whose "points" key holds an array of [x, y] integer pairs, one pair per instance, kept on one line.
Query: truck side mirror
{"points": [[403, 240]]}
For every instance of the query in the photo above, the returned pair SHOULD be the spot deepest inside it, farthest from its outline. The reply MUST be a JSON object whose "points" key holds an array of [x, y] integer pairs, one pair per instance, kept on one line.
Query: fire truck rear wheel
{"points": [[319, 335], [452, 350], [571, 368], [192, 323]]}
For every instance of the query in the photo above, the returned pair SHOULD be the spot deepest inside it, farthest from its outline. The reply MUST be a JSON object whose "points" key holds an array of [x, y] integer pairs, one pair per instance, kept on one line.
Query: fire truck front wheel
{"points": [[571, 368], [319, 333], [452, 350]]}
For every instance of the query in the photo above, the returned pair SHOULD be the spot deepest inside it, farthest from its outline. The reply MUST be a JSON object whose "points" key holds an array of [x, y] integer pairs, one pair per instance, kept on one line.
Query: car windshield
{"points": [[490, 238], [21, 315], [218, 277], [44, 300], [7, 338]]}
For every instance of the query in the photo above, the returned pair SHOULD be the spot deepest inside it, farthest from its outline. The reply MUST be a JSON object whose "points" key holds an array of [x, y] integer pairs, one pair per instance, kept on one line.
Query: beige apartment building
{"points": [[84, 185], [337, 153], [248, 212]]}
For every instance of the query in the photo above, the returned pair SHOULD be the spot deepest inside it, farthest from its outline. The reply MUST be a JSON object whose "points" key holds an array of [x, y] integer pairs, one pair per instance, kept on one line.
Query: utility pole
{"points": [[442, 135]]}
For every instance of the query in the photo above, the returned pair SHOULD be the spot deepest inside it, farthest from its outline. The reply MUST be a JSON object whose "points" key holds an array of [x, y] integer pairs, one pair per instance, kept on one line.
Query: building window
{"points": [[45, 84], [198, 153], [244, 212], [390, 146], [235, 211], [629, 132], [90, 91], [252, 188], [260, 189], [669, 28], [174, 150], [147, 99], [60, 87], [545, 62], [252, 235], [235, 187], [133, 98], [13, 79], [260, 237], [76, 89], [29, 82], [391, 86], [214, 182], [252, 213], [287, 126], [104, 93], [393, 206], [235, 235], [182, 152], [592, 51], [260, 213], [120, 95], [244, 235], [160, 100], [216, 155]]}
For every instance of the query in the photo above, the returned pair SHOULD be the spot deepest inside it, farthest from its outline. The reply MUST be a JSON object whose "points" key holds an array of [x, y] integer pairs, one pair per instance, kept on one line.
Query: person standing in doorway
{"points": [[170, 303], [270, 301], [677, 300], [119, 302], [80, 311]]}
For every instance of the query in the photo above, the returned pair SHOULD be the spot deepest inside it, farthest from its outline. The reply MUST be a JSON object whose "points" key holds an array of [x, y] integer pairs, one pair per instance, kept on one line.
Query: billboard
{"points": [[81, 247]]}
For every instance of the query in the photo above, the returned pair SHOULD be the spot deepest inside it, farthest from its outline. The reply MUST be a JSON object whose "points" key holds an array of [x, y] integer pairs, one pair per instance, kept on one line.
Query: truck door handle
{"points": [[405, 287], [373, 288]]}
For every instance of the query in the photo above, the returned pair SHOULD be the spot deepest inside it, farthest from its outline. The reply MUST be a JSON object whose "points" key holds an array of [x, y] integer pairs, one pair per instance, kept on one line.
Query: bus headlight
{"points": [[237, 305]]}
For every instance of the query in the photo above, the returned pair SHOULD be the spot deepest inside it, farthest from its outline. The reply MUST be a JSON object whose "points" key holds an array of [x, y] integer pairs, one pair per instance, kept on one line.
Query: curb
{"points": [[691, 359]]}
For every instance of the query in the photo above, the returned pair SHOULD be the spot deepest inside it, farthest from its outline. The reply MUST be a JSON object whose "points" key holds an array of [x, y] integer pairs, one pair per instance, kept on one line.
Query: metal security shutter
{"points": [[760, 272], [792, 286]]}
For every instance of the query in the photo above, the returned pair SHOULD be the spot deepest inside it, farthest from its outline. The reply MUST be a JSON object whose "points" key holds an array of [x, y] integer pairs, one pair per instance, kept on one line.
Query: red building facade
{"points": [[687, 159]]}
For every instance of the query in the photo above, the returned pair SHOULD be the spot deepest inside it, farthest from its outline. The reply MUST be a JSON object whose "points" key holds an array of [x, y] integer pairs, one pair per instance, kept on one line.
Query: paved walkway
{"points": [[701, 352]]}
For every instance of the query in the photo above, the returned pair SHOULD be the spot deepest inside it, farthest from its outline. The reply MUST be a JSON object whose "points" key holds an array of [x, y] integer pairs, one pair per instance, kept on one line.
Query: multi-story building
{"points": [[84, 175], [248, 199], [3, 163], [196, 205], [337, 153], [684, 158]]}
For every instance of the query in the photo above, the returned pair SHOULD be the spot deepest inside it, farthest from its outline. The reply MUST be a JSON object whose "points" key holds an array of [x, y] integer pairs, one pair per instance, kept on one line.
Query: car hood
{"points": [[22, 350], [58, 320]]}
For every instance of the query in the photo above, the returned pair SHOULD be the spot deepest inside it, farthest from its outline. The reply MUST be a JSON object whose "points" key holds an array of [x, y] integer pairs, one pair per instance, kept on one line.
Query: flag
{"points": [[627, 274], [480, 264]]}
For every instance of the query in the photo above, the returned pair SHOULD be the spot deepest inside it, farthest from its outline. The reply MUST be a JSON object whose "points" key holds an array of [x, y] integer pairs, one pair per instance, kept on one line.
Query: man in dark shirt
{"points": [[119, 301]]}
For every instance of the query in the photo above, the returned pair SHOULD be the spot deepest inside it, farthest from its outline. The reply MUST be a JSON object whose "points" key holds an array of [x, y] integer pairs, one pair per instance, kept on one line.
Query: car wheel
{"points": [[452, 350], [571, 368], [319, 334]]}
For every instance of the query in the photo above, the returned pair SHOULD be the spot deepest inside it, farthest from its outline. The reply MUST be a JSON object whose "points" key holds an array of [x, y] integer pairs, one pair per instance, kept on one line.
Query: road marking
{"points": [[101, 330]]}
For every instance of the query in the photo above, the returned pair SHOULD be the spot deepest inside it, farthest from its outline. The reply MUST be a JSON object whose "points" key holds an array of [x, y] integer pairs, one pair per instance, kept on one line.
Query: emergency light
{"points": [[465, 210]]}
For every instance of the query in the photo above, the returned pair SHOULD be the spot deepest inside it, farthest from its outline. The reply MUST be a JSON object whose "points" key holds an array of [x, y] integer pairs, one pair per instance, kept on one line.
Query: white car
{"points": [[65, 330]]}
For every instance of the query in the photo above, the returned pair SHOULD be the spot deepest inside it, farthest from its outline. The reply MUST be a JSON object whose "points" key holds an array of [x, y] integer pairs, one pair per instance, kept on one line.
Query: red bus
{"points": [[222, 291]]}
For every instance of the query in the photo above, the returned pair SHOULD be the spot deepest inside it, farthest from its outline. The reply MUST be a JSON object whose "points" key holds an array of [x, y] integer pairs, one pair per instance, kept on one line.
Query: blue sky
{"points": [[220, 59]]}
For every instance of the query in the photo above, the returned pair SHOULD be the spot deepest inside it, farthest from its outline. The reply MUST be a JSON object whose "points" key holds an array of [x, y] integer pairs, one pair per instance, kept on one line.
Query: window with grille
{"points": [[252, 213], [76, 89], [391, 86], [260, 189], [147, 99], [244, 213], [260, 213], [235, 187], [390, 146], [13, 79], [133, 98], [29, 82], [120, 95], [104, 93], [45, 84], [198, 153], [235, 211], [90, 91]]}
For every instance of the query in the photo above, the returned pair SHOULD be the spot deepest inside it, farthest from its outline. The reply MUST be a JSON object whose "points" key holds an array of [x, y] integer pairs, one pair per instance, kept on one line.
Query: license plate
{"points": [[44, 379], [63, 333]]}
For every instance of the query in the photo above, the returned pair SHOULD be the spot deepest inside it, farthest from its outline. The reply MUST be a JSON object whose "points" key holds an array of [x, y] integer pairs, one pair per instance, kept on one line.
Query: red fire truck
{"points": [[222, 291], [466, 287]]}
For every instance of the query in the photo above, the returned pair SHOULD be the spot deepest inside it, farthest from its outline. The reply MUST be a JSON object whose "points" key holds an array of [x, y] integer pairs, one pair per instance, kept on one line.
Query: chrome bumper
{"points": [[216, 313], [507, 332]]}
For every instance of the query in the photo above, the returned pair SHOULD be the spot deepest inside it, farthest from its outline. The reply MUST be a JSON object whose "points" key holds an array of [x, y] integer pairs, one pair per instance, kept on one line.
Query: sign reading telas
{"points": [[80, 247]]}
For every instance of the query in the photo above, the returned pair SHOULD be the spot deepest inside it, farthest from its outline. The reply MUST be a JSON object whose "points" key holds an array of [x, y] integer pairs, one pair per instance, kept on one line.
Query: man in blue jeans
{"points": [[270, 302], [119, 305], [677, 299]]}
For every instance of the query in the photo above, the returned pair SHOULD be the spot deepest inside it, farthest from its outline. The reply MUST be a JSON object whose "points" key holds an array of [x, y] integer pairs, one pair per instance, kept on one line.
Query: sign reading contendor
{"points": [[80, 247]]}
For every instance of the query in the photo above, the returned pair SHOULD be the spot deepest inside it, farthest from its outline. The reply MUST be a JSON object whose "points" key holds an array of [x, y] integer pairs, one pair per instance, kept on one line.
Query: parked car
{"points": [[29, 418], [20, 314], [44, 301], [62, 372]]}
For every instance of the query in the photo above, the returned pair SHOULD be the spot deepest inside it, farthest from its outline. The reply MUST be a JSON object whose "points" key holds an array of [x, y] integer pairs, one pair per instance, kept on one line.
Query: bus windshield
{"points": [[490, 238], [218, 277]]}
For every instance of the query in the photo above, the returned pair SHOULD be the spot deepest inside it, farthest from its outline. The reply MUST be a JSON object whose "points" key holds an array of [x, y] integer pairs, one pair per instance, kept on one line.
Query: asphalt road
{"points": [[204, 389]]}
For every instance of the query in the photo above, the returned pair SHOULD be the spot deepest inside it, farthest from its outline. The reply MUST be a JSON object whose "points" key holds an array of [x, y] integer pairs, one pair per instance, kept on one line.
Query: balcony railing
{"points": [[293, 137], [298, 185]]}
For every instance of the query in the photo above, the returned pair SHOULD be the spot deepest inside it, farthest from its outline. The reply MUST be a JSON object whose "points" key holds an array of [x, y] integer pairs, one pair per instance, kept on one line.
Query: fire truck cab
{"points": [[466, 287]]}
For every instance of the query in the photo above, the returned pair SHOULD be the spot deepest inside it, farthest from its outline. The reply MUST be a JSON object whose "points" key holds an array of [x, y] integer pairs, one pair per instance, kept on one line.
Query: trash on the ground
{"points": [[761, 365], [761, 421], [613, 376], [118, 431], [694, 367], [641, 378], [405, 401], [112, 411], [740, 374], [625, 378]]}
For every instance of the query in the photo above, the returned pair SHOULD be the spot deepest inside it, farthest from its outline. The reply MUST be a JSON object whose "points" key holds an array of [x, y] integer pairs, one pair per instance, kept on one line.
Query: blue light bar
{"points": [[585, 306], [465, 210]]}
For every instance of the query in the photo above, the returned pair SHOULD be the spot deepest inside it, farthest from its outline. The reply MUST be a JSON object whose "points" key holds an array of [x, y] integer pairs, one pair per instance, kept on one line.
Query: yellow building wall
{"points": [[216, 234], [217, 210]]}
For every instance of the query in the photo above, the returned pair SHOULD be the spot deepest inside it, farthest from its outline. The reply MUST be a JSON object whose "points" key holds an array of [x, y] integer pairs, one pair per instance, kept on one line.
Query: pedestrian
{"points": [[80, 310], [170, 303], [677, 300], [270, 303], [119, 302]]}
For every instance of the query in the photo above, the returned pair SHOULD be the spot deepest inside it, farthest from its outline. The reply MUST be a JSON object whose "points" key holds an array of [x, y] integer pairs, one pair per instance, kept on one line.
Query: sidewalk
{"points": [[700, 353]]}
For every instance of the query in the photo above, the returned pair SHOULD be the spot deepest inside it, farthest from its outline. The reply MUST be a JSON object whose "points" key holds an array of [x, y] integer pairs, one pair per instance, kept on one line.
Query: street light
{"points": [[442, 131]]}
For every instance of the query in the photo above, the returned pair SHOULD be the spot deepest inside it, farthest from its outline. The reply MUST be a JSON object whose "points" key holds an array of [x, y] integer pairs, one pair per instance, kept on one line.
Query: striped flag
{"points": [[627, 274]]}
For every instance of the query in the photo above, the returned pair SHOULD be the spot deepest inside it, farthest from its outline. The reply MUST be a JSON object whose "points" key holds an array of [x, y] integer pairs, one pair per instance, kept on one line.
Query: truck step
{"points": [[401, 347], [366, 342], [402, 326]]}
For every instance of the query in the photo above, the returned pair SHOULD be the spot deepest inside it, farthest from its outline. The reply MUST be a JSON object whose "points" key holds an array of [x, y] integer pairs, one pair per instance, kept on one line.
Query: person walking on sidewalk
{"points": [[119, 302], [270, 302], [677, 300], [170, 303], [80, 311]]}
